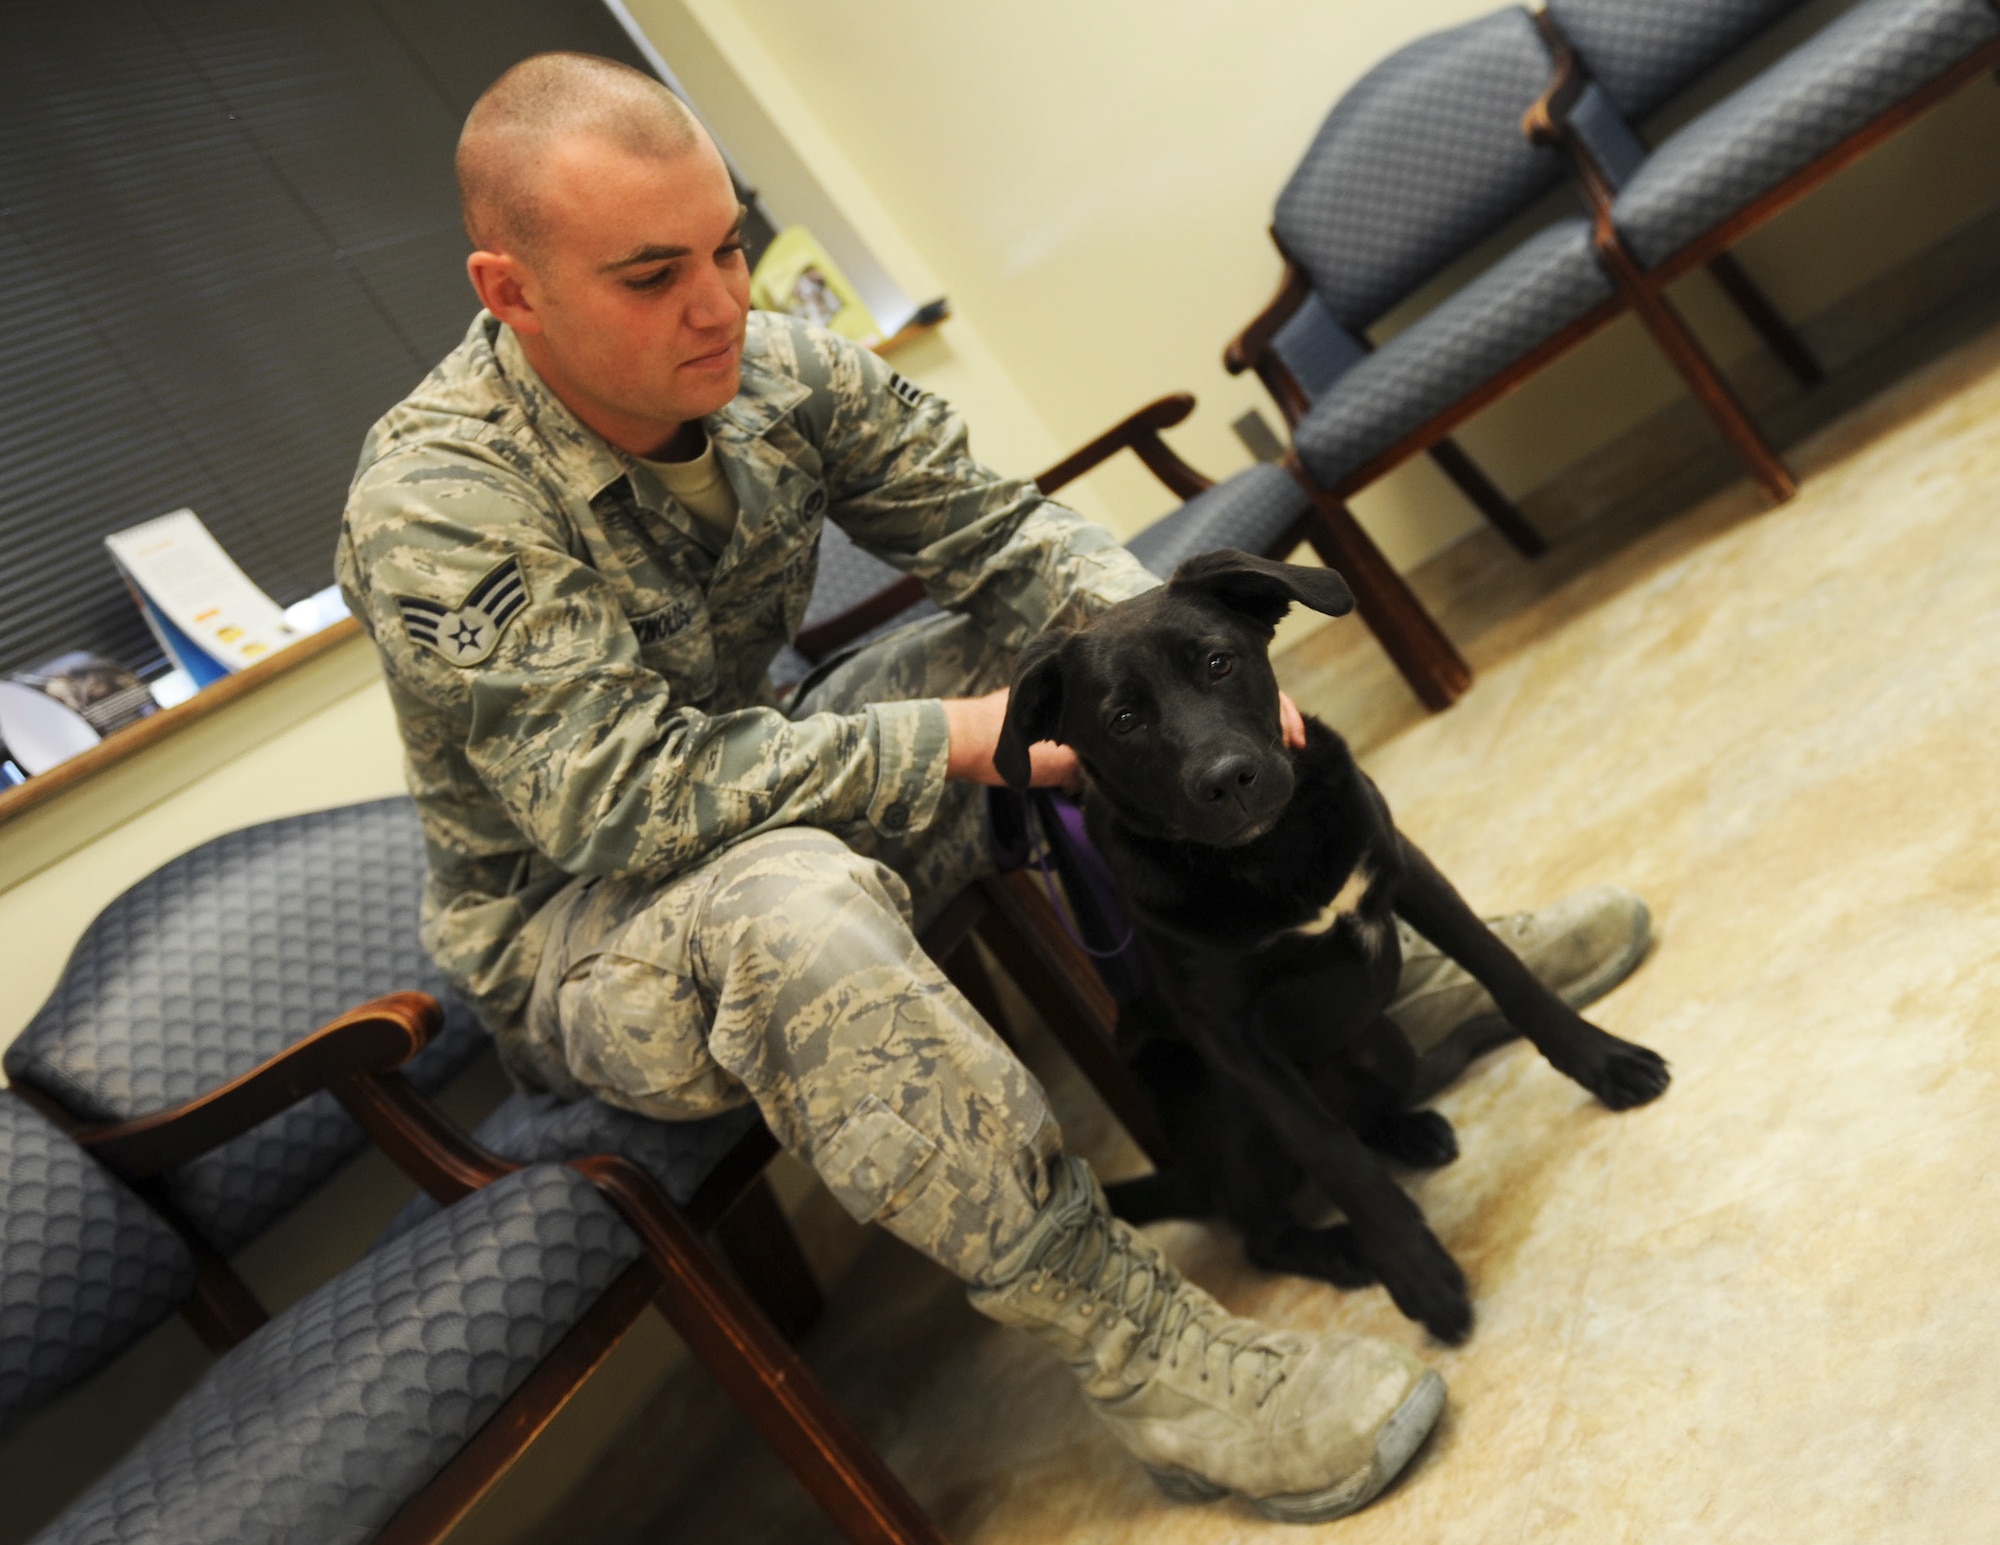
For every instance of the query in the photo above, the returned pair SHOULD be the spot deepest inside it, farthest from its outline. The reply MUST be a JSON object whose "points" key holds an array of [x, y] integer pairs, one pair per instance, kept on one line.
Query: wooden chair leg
{"points": [[1758, 311], [1685, 353], [757, 1241], [1432, 665], [763, 1375], [1473, 482], [1028, 939]]}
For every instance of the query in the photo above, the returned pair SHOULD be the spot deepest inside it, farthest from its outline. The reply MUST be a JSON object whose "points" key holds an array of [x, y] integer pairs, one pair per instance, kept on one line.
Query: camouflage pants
{"points": [[786, 971]]}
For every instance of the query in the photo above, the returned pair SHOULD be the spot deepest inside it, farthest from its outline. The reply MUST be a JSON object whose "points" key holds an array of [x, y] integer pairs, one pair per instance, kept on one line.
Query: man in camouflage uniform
{"points": [[578, 545]]}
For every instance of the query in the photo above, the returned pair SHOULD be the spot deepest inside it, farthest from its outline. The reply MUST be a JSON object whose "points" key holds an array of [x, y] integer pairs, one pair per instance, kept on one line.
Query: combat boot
{"points": [[1304, 1427], [1581, 948]]}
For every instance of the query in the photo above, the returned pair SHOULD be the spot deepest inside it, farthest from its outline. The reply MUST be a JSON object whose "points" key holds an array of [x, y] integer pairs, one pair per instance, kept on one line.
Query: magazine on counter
{"points": [[51, 712]]}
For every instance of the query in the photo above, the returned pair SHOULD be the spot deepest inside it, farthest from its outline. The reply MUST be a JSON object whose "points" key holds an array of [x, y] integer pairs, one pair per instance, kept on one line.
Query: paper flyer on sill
{"points": [[196, 598]]}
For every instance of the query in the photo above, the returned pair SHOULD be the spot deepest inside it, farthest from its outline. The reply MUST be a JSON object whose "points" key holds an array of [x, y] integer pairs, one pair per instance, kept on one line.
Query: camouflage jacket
{"points": [[581, 682]]}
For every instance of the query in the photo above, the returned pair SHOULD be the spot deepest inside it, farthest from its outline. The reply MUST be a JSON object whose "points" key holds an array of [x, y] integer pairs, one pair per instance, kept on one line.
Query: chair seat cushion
{"points": [[85, 1266], [223, 958], [1251, 510], [541, 1129], [319, 1427], [1835, 83], [1522, 301]]}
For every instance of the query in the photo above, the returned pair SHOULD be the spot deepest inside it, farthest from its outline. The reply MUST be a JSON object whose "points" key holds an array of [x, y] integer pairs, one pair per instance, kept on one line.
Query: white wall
{"points": [[1091, 184]]}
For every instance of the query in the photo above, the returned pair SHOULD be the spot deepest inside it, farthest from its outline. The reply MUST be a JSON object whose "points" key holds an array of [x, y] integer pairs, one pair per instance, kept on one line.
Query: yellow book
{"points": [[795, 275]]}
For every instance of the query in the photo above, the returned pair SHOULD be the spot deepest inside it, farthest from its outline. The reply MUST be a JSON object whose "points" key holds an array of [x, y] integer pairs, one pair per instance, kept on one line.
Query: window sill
{"points": [[73, 803]]}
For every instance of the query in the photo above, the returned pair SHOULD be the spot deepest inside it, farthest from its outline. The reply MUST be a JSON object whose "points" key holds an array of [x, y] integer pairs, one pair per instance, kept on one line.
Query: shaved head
{"points": [[542, 101]]}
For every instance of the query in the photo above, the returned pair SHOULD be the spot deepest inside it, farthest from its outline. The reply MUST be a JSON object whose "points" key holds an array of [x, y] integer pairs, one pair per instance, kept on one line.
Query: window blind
{"points": [[229, 241]]}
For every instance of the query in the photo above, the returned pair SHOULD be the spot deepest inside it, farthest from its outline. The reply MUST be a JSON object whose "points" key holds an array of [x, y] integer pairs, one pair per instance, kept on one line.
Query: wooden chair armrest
{"points": [[1248, 349], [1547, 121], [373, 1038], [1140, 433], [420, 1139]]}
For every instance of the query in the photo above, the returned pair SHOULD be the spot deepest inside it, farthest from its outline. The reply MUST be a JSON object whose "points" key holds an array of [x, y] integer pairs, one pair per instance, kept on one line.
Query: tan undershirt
{"points": [[701, 488]]}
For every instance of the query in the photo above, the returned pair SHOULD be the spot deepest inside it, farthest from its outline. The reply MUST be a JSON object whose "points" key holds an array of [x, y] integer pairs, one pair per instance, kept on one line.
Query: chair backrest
{"points": [[85, 1266], [846, 577], [855, 597], [225, 957], [1422, 158], [1644, 51]]}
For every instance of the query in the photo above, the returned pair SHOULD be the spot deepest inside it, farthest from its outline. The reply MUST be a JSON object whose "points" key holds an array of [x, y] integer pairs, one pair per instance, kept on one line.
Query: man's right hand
{"points": [[975, 724]]}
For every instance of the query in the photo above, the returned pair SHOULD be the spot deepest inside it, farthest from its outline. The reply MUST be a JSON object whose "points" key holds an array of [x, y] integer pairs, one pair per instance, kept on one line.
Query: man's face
{"points": [[640, 291]]}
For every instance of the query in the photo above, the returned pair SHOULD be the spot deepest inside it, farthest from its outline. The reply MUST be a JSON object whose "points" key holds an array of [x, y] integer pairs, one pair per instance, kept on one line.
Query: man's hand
{"points": [[975, 730], [1291, 722]]}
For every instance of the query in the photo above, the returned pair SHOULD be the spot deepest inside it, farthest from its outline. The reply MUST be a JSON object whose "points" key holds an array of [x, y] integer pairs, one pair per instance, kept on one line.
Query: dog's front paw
{"points": [[1623, 1075], [1420, 1138], [1424, 1282]]}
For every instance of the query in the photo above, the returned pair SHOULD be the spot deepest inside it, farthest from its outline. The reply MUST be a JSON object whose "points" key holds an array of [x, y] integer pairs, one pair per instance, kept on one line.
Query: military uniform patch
{"points": [[468, 633], [911, 393]]}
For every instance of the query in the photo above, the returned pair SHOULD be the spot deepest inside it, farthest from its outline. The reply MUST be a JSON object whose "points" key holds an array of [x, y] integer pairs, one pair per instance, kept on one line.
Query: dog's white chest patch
{"points": [[1347, 902]]}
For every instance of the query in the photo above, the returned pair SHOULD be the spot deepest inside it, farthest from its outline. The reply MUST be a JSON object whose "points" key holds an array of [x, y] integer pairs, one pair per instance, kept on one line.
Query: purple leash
{"points": [[1094, 872]]}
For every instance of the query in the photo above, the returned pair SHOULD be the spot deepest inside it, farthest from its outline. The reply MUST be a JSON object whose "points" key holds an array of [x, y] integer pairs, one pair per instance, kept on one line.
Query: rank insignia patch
{"points": [[911, 393], [467, 634]]}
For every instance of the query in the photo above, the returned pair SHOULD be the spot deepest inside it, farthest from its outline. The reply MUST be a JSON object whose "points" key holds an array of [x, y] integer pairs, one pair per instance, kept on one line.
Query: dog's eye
{"points": [[1219, 665], [1124, 722]]}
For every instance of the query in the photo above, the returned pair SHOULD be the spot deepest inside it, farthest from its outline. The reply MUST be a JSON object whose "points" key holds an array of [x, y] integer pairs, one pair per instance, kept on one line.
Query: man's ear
{"points": [[1263, 589], [1034, 705], [499, 279]]}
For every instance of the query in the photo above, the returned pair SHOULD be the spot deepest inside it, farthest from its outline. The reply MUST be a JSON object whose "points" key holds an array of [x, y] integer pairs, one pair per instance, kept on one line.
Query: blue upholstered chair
{"points": [[1419, 162], [86, 1267], [385, 1403], [222, 958], [1660, 211], [233, 951], [336, 1421], [857, 597]]}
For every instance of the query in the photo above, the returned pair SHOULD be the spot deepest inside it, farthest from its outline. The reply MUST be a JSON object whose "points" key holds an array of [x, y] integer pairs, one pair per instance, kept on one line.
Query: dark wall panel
{"points": [[229, 240]]}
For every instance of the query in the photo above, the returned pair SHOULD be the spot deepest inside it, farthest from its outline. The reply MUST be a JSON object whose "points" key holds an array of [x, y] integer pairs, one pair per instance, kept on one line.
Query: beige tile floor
{"points": [[1763, 1309]]}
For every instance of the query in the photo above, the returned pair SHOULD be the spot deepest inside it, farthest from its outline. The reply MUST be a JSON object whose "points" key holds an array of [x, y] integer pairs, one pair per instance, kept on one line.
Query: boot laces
{"points": [[1176, 1320]]}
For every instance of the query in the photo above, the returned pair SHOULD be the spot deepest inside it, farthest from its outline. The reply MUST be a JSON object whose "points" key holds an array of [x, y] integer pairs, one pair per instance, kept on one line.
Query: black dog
{"points": [[1262, 881]]}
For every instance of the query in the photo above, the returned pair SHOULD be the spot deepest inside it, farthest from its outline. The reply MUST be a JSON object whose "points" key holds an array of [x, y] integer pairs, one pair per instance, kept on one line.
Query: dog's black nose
{"points": [[1231, 776]]}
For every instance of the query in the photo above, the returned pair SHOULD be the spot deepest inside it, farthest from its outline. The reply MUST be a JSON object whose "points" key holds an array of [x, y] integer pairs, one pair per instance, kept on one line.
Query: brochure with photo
{"points": [[54, 710]]}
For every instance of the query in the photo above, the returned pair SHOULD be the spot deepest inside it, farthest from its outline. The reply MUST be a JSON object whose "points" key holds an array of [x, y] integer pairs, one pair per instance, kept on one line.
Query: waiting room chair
{"points": [[385, 1403], [211, 965], [224, 956], [857, 597], [1658, 212], [1418, 163]]}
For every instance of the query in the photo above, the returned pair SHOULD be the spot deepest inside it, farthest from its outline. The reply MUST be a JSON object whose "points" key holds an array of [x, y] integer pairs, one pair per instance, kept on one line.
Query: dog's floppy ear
{"points": [[1034, 705], [1262, 588]]}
